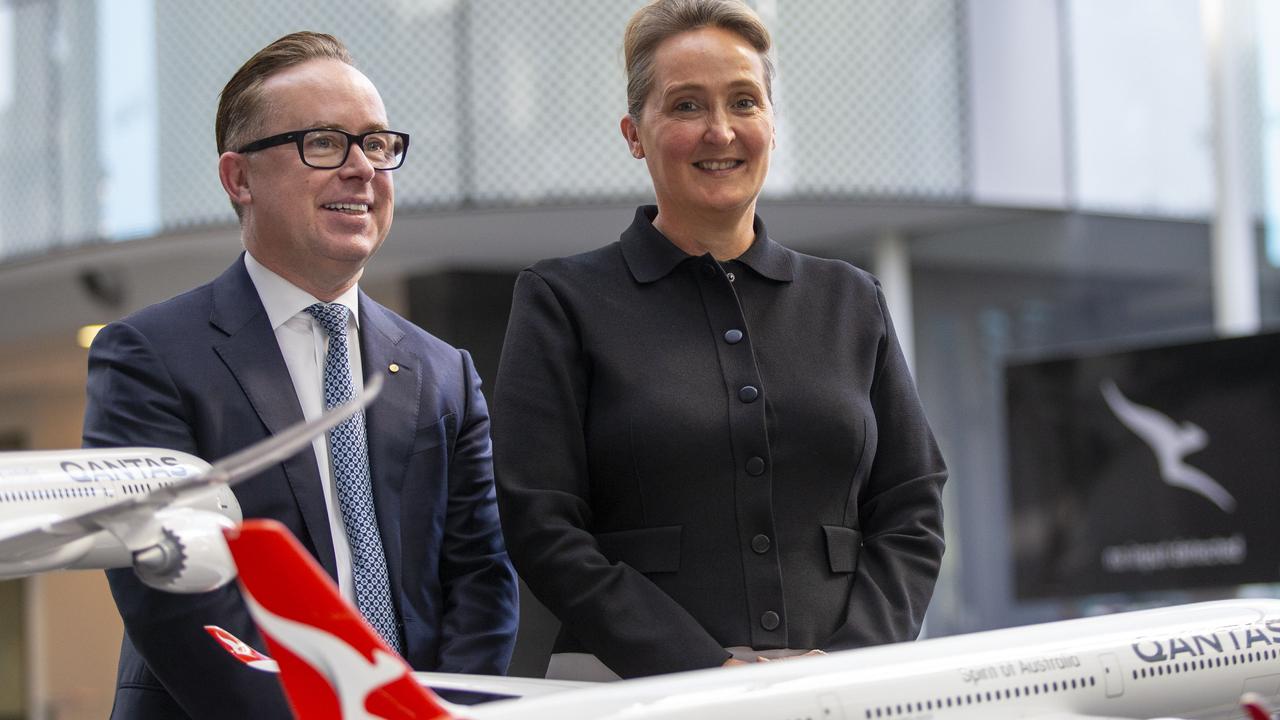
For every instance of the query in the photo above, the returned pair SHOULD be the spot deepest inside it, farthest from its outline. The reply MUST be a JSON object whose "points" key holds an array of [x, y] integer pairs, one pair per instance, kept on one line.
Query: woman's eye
{"points": [[745, 103]]}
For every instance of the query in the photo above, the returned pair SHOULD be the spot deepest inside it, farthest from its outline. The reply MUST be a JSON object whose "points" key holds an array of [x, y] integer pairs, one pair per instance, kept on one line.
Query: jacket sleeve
{"points": [[899, 510], [544, 493], [133, 401], [481, 605]]}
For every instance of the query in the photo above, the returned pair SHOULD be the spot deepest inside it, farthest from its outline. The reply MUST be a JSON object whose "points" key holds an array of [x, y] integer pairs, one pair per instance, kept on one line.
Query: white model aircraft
{"points": [[163, 512], [1209, 660]]}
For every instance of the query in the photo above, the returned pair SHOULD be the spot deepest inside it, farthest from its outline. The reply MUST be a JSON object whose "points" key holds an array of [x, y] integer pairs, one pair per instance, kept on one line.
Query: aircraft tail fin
{"points": [[333, 665], [241, 650], [1255, 708]]}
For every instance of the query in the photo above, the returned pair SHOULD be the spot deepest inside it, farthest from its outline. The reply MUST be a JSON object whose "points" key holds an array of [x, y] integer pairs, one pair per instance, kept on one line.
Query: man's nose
{"points": [[357, 164]]}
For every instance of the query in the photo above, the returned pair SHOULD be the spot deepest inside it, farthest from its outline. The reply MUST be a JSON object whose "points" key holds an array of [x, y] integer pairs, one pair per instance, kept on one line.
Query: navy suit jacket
{"points": [[202, 373]]}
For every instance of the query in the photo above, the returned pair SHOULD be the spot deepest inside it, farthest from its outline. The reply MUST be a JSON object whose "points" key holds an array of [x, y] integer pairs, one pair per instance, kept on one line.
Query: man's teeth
{"points": [[717, 164], [348, 207]]}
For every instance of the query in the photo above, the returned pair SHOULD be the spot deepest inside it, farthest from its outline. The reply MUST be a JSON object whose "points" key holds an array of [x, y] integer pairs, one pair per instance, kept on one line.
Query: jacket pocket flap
{"points": [[436, 434], [648, 550], [843, 546]]}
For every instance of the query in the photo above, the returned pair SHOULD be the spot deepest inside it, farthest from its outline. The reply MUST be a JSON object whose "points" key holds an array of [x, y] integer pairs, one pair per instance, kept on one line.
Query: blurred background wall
{"points": [[1027, 177]]}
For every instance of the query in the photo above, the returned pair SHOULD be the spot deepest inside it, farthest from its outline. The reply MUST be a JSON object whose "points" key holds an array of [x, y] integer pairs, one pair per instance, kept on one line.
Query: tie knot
{"points": [[332, 317]]}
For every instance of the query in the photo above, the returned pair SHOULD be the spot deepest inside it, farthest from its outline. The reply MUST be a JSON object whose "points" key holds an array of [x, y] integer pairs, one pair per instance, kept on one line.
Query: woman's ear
{"points": [[631, 132]]}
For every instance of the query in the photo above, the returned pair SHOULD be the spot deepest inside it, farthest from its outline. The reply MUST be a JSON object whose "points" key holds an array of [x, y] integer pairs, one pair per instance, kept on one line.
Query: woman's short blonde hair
{"points": [[663, 19]]}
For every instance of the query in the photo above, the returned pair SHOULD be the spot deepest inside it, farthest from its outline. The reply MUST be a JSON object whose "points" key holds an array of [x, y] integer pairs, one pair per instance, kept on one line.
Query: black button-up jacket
{"points": [[692, 455]]}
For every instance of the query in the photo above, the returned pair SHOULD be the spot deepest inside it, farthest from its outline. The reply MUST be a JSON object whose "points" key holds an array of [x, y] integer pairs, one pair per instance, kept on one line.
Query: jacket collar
{"points": [[651, 256]]}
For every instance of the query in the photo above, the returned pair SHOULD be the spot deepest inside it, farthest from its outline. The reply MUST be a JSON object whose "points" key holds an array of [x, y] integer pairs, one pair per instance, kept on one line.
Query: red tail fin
{"points": [[332, 664], [241, 650], [1254, 707]]}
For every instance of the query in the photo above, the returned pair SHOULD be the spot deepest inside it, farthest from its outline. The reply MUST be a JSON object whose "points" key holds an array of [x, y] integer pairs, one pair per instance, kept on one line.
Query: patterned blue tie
{"points": [[350, 452]]}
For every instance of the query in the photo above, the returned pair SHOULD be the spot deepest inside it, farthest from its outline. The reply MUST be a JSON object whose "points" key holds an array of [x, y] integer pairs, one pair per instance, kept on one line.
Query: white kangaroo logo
{"points": [[352, 677], [1171, 443]]}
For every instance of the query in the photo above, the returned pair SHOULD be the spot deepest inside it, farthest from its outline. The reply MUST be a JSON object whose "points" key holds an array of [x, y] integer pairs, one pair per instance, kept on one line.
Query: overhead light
{"points": [[86, 334]]}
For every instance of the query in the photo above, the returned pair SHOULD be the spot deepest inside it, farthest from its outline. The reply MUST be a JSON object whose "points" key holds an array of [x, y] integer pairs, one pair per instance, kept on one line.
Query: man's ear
{"points": [[233, 171], [631, 132]]}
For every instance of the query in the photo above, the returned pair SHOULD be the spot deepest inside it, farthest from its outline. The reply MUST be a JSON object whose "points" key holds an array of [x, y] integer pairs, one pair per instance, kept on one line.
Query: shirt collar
{"points": [[651, 256], [283, 300]]}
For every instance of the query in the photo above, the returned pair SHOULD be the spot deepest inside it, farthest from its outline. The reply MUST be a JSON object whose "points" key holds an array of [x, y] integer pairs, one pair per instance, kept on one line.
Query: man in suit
{"points": [[398, 506]]}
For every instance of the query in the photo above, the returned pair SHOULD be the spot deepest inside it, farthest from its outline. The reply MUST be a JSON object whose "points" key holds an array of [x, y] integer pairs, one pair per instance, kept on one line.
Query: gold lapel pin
{"points": [[393, 368]]}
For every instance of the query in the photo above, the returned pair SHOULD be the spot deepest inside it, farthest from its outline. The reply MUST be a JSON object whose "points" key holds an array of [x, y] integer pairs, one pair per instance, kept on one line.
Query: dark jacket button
{"points": [[733, 337], [760, 544], [748, 393], [769, 620], [755, 466]]}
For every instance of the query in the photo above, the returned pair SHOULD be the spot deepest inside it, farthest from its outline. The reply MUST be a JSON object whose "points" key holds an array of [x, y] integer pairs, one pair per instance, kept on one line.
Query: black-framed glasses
{"points": [[327, 148]]}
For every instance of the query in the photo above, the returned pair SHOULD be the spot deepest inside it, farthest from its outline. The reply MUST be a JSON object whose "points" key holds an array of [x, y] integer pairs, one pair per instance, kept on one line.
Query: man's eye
{"points": [[745, 104], [686, 106], [372, 145]]}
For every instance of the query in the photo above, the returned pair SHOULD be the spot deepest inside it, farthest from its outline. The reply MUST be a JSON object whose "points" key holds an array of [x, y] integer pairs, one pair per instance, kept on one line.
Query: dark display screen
{"points": [[1153, 469]]}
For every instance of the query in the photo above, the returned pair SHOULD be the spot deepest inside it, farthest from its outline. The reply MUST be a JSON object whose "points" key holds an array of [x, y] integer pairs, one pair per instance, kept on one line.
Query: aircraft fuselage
{"points": [[1192, 661], [43, 487]]}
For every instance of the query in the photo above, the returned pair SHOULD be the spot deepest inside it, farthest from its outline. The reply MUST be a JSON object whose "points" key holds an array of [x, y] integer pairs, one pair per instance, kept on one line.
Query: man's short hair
{"points": [[241, 110]]}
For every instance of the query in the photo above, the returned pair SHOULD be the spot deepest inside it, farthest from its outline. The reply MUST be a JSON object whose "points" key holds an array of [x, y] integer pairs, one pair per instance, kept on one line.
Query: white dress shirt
{"points": [[303, 343]]}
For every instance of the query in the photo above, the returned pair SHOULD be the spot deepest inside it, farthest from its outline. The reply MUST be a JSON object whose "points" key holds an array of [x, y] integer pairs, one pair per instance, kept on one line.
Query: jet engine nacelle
{"points": [[192, 555]]}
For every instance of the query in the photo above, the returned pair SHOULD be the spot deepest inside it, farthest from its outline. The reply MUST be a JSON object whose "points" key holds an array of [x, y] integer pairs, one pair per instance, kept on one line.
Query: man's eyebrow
{"points": [[322, 125]]}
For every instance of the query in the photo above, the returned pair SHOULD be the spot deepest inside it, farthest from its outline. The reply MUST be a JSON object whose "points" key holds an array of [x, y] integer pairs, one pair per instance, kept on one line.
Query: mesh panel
{"points": [[409, 49], [48, 171], [870, 98], [508, 103], [547, 95]]}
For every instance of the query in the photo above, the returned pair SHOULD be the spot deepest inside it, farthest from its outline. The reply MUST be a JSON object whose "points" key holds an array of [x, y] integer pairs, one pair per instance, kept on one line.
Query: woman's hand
{"points": [[812, 653]]}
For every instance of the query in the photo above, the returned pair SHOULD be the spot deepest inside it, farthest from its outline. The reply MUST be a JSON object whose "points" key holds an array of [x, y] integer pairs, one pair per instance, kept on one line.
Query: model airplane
{"points": [[161, 511], [1209, 660]]}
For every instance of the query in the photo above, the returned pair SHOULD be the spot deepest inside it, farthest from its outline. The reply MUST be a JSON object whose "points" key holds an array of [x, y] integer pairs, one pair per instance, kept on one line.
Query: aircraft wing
{"points": [[130, 518], [1255, 708], [495, 687], [1078, 716]]}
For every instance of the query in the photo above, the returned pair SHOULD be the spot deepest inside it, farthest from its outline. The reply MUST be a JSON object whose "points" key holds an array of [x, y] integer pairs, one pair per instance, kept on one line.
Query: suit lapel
{"points": [[252, 354], [391, 421]]}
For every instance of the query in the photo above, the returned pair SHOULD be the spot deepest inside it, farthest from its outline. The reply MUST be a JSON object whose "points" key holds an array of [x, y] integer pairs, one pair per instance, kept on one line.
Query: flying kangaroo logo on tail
{"points": [[353, 677], [332, 664], [1171, 443]]}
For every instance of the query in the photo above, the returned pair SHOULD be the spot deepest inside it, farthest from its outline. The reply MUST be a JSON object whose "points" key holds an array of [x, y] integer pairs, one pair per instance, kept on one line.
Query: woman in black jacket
{"points": [[708, 447]]}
